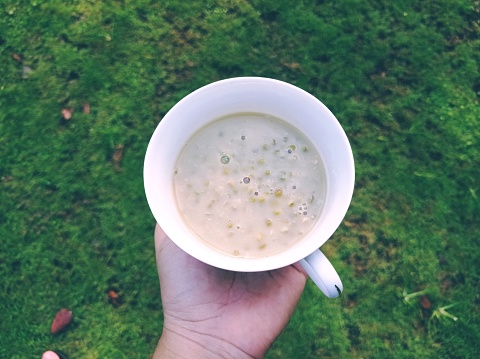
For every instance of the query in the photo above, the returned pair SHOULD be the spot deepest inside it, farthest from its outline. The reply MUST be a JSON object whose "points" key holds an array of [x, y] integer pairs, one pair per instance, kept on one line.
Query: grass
{"points": [[402, 78]]}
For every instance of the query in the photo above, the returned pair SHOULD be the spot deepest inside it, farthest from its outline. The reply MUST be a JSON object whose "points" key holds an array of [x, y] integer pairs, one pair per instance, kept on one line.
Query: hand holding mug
{"points": [[210, 312]]}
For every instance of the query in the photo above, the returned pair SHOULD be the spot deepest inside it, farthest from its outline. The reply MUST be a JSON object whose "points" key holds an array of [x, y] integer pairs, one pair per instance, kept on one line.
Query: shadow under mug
{"points": [[264, 96]]}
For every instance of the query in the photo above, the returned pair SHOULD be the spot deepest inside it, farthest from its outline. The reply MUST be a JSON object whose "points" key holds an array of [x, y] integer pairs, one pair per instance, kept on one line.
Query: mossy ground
{"points": [[403, 79]]}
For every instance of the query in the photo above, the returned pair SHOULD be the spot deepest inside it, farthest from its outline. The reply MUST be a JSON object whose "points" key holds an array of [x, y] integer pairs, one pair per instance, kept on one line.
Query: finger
{"points": [[161, 238], [168, 254], [163, 245], [300, 268]]}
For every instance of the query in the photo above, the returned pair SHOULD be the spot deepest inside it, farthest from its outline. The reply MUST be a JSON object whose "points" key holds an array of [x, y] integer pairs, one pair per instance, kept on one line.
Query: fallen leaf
{"points": [[67, 113], [112, 294], [112, 297], [62, 319], [425, 302], [291, 65], [86, 108], [117, 157], [17, 57]]}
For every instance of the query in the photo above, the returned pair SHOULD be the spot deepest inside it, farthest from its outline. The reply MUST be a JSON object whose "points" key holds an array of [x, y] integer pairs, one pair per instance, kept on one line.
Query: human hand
{"points": [[214, 313]]}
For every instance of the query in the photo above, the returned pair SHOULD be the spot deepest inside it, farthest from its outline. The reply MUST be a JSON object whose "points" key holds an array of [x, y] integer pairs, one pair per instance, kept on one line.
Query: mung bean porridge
{"points": [[249, 185]]}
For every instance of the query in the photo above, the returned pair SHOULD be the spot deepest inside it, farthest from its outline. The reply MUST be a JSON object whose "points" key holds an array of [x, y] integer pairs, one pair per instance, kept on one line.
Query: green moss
{"points": [[402, 79]]}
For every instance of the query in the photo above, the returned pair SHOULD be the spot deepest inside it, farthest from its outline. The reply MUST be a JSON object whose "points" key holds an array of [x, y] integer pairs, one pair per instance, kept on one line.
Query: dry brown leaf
{"points": [[291, 65], [112, 297], [17, 57], [117, 156], [425, 302], [112, 294], [62, 319], [86, 108], [67, 113]]}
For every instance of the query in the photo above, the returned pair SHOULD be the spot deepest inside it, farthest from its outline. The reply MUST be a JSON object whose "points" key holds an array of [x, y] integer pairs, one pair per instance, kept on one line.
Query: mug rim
{"points": [[170, 221]]}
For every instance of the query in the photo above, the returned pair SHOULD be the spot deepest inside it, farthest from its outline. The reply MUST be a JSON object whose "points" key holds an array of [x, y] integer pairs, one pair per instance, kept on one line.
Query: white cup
{"points": [[264, 96]]}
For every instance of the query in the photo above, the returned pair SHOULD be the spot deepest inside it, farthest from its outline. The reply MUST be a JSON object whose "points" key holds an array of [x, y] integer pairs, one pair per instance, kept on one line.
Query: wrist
{"points": [[179, 343]]}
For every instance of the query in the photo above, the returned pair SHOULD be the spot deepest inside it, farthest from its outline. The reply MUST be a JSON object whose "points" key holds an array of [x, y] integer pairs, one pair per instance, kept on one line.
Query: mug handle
{"points": [[323, 274]]}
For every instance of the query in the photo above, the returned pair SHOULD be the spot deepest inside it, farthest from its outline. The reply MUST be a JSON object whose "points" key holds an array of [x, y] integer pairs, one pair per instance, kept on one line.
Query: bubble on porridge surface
{"points": [[246, 179], [302, 208], [225, 159]]}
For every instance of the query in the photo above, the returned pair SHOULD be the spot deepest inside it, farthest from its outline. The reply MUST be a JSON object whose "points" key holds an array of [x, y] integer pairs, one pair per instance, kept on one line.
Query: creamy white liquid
{"points": [[250, 185]]}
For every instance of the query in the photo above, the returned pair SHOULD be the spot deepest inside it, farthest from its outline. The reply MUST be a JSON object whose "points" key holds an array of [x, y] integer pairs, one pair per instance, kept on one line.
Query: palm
{"points": [[248, 310]]}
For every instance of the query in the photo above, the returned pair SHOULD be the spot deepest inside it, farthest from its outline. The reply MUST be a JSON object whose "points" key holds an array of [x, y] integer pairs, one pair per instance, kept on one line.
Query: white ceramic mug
{"points": [[264, 96]]}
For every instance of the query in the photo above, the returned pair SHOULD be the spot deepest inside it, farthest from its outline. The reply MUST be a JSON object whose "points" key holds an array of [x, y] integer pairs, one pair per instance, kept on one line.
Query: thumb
{"points": [[161, 238]]}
